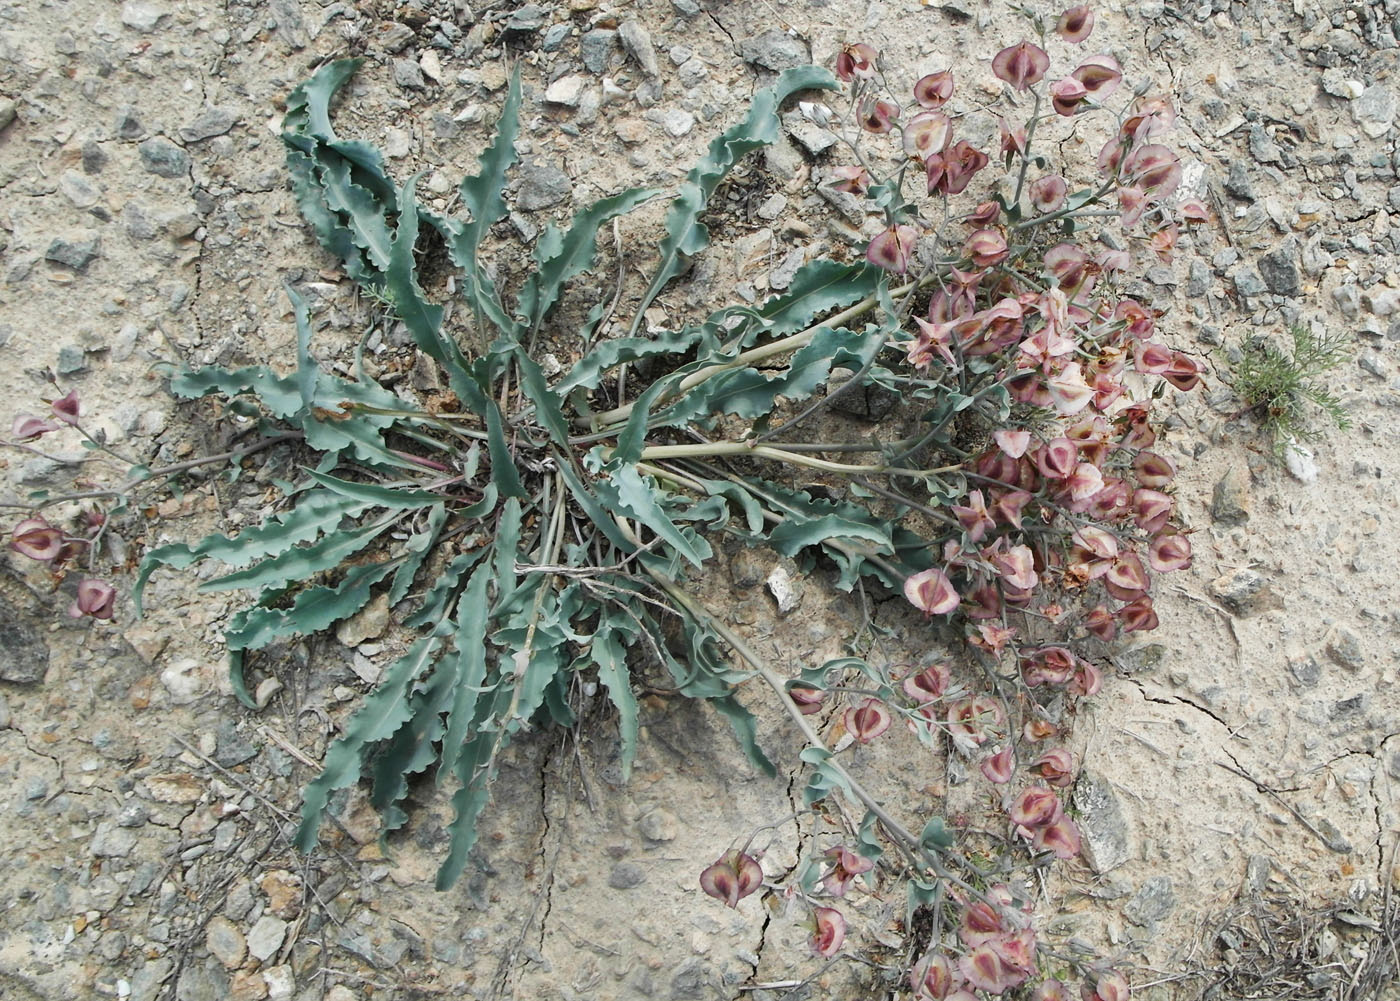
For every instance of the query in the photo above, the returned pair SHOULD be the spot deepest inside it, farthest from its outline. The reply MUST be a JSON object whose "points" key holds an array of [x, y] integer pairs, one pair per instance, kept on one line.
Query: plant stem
{"points": [[179, 467], [753, 356], [893, 827], [768, 452]]}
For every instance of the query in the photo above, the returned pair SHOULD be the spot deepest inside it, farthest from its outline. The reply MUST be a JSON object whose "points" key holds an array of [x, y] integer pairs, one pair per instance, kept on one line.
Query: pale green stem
{"points": [[709, 450]]}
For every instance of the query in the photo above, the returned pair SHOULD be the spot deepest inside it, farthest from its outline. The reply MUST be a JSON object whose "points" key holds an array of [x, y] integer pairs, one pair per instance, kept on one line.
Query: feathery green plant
{"points": [[1280, 387]]}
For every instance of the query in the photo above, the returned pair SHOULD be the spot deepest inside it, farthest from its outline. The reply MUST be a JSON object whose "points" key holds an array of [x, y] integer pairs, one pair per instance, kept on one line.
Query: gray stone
{"points": [[531, 17], [596, 47], [692, 72], [72, 359], [230, 747], [1382, 301], [1230, 503], [138, 222], [78, 189], [1237, 182], [24, 656], [1332, 837], [626, 876], [1198, 279], [1348, 300], [265, 937], [690, 979], [146, 984], [637, 43], [677, 122], [162, 157], [75, 250], [225, 942], [1262, 146], [202, 982], [133, 814], [111, 841], [774, 50], [7, 111], [686, 8], [1101, 822], [1344, 649], [127, 125], [208, 123], [143, 15], [659, 824], [541, 186], [4, 712], [1153, 901], [408, 74], [1248, 284], [1375, 109], [1279, 270], [555, 35], [1242, 590], [384, 956], [811, 136]]}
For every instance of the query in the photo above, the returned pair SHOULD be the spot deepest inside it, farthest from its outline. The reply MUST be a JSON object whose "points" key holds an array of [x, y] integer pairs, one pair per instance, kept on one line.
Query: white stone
{"points": [[566, 91], [143, 15], [186, 680], [1299, 461], [280, 982], [431, 66], [265, 937]]}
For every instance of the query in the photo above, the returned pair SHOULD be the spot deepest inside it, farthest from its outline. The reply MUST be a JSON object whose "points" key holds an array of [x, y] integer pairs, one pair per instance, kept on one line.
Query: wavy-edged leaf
{"points": [[607, 652], [316, 512], [475, 768], [561, 257], [279, 394], [362, 212], [588, 371], [416, 550], [380, 715], [548, 408], [686, 235], [751, 393], [746, 730], [469, 638], [413, 747], [312, 610], [819, 287], [439, 596], [631, 496], [375, 495], [503, 471], [310, 195], [308, 372], [302, 562], [796, 533]]}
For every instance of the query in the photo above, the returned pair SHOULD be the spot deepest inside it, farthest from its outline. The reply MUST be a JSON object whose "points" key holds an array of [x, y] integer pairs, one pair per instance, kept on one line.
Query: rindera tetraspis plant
{"points": [[551, 536], [537, 529], [1281, 387]]}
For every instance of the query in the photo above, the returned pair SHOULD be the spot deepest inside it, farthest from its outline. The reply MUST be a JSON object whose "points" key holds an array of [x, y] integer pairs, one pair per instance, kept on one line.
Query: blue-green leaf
{"points": [[383, 711], [312, 610]]}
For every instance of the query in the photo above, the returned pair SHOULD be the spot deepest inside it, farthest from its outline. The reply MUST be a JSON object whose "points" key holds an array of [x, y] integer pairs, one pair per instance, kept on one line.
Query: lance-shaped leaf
{"points": [[561, 257], [312, 610], [629, 495], [607, 652], [416, 550], [686, 235], [302, 562], [475, 767], [279, 394], [318, 511], [818, 288], [373, 494], [380, 715]]}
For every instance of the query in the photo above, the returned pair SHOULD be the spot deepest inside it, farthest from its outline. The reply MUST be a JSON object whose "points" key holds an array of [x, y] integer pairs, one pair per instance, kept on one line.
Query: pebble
{"points": [[626, 876], [1338, 84], [1101, 822], [787, 590], [7, 111], [528, 18], [162, 157], [143, 15], [1241, 591], [1344, 649], [280, 982], [225, 942], [566, 91], [81, 192], [112, 841], [542, 185], [366, 624], [1279, 270], [774, 50], [1262, 146], [1238, 183], [211, 122], [408, 74], [596, 48], [1230, 502], [637, 43], [1197, 279], [76, 250], [1348, 300], [677, 122], [1382, 301], [1298, 460], [24, 656], [1375, 110], [1153, 901], [659, 825], [431, 65], [811, 136], [4, 712], [230, 746], [555, 36], [265, 937]]}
